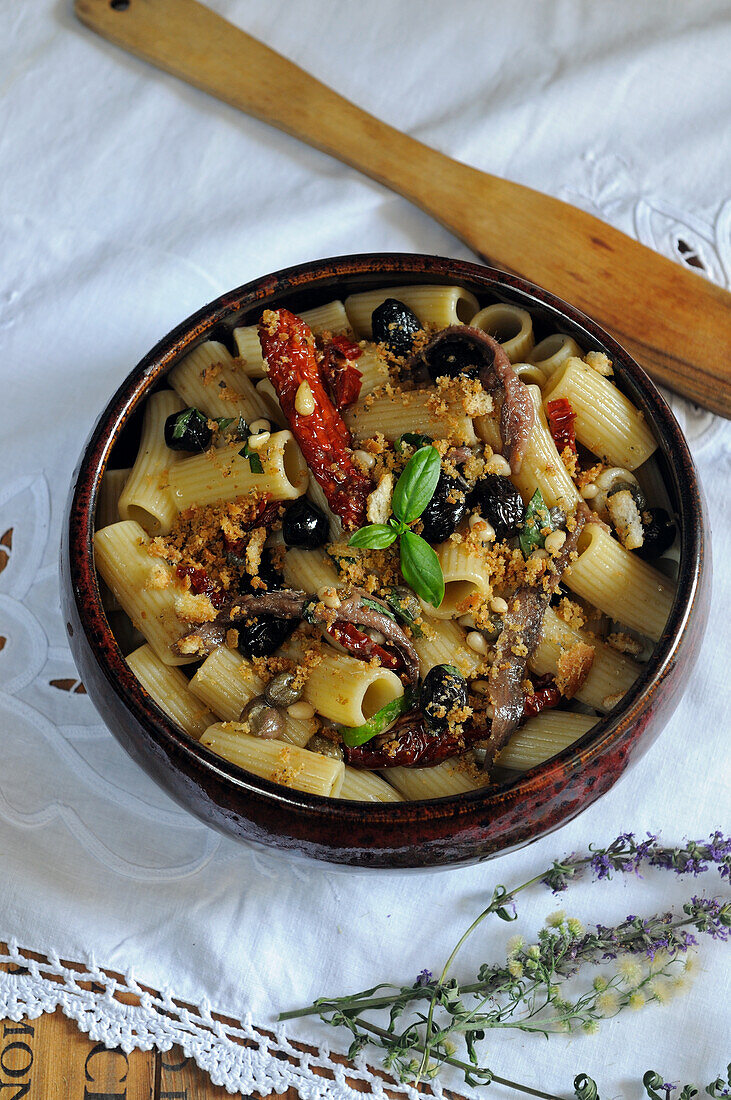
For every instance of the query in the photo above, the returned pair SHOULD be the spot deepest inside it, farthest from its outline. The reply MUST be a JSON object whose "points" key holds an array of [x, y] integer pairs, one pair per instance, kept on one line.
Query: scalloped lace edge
{"points": [[237, 1055]]}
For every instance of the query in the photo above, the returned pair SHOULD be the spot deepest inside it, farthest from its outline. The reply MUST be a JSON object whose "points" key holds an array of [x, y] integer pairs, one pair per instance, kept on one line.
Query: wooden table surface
{"points": [[50, 1059]]}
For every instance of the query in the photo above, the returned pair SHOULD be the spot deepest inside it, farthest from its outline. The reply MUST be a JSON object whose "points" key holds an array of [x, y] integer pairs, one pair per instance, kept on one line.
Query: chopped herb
{"points": [[399, 605], [254, 461], [308, 613], [414, 439], [224, 422], [538, 521], [377, 607]]}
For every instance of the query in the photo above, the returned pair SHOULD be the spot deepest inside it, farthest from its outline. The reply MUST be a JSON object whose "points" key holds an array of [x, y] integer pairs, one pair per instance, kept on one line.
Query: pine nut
{"points": [[258, 442], [490, 711], [329, 597], [363, 458], [589, 491], [300, 710], [555, 541], [304, 402], [539, 555], [499, 605], [467, 621], [482, 529], [260, 425], [498, 465], [481, 687], [476, 642]]}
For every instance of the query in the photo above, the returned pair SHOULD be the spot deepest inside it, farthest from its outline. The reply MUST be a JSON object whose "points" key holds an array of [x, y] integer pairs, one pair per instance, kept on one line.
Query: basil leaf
{"points": [[254, 461], [421, 569], [415, 488], [376, 536], [537, 519], [380, 721], [414, 439], [377, 607], [224, 422]]}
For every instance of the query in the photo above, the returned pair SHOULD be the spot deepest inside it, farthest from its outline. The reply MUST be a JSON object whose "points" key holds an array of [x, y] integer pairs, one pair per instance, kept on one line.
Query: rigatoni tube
{"points": [[225, 474], [170, 690], [276, 760], [620, 584], [144, 586], [606, 421], [146, 496]]}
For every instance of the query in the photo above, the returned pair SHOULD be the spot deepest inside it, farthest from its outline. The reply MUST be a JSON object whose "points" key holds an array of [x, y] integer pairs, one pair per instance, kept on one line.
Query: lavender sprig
{"points": [[626, 855], [527, 992]]}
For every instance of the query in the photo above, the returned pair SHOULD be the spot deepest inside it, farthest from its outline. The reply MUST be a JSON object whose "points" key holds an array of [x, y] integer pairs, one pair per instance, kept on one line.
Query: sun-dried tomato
{"points": [[201, 583], [542, 699], [360, 645], [343, 380], [324, 439], [409, 744], [561, 418]]}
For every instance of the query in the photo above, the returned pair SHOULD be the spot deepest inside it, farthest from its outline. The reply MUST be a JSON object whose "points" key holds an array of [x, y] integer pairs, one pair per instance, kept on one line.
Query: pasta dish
{"points": [[390, 548]]}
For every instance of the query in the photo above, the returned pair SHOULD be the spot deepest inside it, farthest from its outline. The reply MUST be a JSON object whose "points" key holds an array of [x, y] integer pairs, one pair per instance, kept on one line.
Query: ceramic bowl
{"points": [[448, 831]]}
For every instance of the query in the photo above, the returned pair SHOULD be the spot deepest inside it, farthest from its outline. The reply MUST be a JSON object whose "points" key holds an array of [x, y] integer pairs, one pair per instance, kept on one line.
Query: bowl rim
{"points": [[308, 278]]}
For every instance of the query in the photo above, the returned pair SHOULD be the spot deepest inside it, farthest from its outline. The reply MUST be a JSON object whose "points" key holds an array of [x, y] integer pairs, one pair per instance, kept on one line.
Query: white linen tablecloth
{"points": [[127, 200]]}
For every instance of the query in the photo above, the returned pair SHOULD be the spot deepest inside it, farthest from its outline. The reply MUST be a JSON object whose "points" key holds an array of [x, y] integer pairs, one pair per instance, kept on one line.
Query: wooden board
{"points": [[49, 1058]]}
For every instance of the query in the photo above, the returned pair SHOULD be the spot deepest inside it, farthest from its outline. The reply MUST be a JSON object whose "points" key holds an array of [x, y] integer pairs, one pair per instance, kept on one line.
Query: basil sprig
{"points": [[537, 520], [414, 489], [380, 721]]}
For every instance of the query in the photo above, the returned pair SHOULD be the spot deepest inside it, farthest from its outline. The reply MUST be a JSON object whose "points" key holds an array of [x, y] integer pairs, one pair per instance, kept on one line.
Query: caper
{"points": [[281, 691], [325, 747], [263, 721], [493, 629]]}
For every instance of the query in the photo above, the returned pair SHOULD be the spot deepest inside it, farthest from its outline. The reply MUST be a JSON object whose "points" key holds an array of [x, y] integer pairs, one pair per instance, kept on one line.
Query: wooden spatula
{"points": [[676, 323]]}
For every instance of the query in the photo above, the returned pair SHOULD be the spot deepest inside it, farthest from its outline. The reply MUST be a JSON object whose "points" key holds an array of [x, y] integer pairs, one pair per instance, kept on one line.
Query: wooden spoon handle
{"points": [[675, 322]]}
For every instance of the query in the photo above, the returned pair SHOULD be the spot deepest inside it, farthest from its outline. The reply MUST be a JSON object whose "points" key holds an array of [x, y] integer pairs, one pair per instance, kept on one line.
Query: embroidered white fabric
{"points": [[126, 200]]}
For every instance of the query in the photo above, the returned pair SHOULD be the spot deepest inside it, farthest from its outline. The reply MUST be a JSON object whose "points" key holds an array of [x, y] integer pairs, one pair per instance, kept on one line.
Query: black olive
{"points": [[500, 503], [444, 689], [261, 636], [188, 431], [267, 572], [446, 509], [454, 356], [395, 325], [659, 534], [305, 525]]}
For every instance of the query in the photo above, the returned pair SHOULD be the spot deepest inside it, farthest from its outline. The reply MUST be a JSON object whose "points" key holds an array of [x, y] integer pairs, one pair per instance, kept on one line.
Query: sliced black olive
{"points": [[444, 690], [659, 534], [305, 525], [395, 325], [453, 356], [500, 503], [262, 636], [446, 509], [188, 431]]}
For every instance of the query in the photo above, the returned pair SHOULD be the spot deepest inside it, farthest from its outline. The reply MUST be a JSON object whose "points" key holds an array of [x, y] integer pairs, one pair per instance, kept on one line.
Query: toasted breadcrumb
{"points": [[599, 362], [573, 667], [624, 643]]}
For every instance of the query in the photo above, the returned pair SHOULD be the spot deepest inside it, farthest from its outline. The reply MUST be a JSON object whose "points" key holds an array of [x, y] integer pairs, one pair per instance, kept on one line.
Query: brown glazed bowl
{"points": [[448, 831]]}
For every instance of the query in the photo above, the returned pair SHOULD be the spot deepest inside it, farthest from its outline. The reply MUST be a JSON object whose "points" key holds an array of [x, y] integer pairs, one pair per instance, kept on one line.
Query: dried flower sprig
{"points": [[528, 991]]}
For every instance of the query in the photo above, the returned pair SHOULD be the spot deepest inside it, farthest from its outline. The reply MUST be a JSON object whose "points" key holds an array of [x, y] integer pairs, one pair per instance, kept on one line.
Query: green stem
{"points": [[465, 1066], [420, 994]]}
